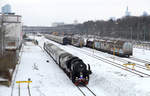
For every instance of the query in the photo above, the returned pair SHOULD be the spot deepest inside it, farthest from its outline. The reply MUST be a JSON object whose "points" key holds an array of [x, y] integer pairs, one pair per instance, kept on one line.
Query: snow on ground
{"points": [[5, 91], [47, 77], [49, 80], [111, 57], [111, 80], [141, 53]]}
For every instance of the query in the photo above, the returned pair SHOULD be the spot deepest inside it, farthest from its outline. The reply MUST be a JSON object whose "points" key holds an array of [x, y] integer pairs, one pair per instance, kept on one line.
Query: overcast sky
{"points": [[45, 12]]}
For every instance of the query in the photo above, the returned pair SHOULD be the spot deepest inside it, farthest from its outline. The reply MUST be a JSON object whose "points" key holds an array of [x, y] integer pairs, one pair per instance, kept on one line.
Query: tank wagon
{"points": [[117, 47], [89, 43], [77, 41], [59, 39], [73, 66]]}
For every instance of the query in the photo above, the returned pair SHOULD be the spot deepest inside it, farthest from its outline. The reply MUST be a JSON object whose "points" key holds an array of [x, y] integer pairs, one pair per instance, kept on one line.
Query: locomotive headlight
{"points": [[77, 78], [81, 75], [86, 78]]}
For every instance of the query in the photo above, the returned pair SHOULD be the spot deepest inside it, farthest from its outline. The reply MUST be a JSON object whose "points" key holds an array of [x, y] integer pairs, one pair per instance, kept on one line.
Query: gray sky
{"points": [[45, 12]]}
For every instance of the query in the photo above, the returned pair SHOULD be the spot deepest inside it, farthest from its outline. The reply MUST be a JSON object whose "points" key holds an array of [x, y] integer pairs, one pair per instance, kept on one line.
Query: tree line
{"points": [[129, 27]]}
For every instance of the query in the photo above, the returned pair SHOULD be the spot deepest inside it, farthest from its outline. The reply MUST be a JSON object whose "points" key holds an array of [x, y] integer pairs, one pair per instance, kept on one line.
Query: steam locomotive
{"points": [[73, 66]]}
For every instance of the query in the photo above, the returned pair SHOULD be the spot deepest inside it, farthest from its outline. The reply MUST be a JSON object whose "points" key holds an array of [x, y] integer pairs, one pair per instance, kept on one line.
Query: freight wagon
{"points": [[117, 47], [77, 41], [59, 39]]}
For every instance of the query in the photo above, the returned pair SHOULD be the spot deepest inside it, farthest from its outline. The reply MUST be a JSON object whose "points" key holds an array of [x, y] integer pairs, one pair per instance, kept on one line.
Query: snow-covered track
{"points": [[140, 60], [14, 78], [86, 90], [133, 61], [16, 71], [134, 71], [122, 59], [29, 91]]}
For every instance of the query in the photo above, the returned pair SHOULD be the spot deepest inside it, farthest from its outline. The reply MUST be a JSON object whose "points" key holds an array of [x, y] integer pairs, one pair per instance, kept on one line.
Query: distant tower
{"points": [[127, 13], [6, 9], [75, 22], [145, 13]]}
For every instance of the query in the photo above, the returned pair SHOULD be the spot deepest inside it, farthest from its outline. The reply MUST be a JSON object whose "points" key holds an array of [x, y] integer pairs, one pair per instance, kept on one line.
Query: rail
{"points": [[133, 62], [140, 60], [133, 59], [79, 88], [85, 92], [139, 73], [13, 83]]}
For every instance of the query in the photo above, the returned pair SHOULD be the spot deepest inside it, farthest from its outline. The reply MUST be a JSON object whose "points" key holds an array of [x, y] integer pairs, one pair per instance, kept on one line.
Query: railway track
{"points": [[29, 91], [137, 72], [134, 60], [86, 91], [140, 60], [14, 79]]}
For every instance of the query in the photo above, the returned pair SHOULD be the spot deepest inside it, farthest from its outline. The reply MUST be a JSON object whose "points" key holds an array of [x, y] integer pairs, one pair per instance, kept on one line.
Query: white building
{"points": [[55, 24], [127, 13]]}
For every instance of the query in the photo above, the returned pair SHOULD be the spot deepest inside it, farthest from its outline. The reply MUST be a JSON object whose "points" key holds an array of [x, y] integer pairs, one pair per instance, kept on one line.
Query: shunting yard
{"points": [[74, 48], [47, 78]]}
